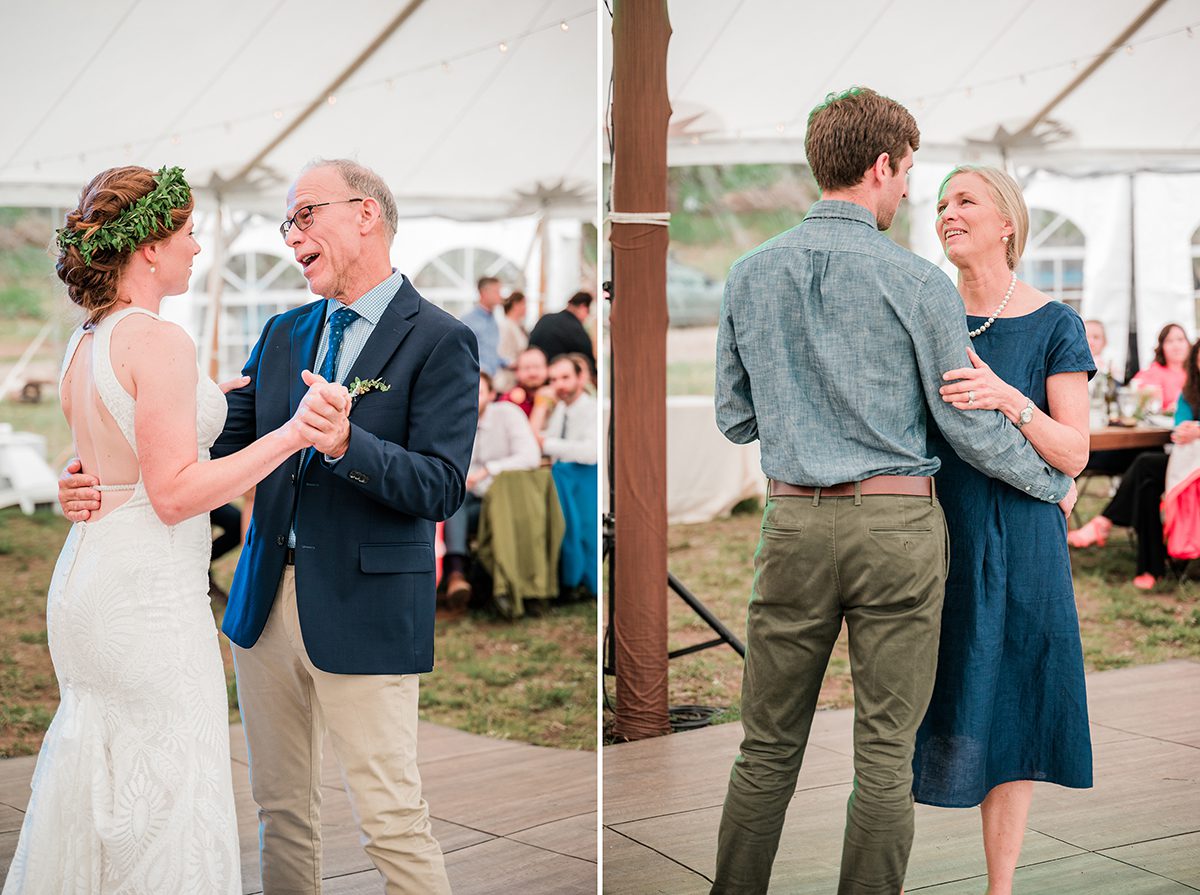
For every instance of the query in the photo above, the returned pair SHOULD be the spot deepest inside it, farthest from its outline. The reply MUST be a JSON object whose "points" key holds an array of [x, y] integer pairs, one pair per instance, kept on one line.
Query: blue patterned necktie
{"points": [[338, 321]]}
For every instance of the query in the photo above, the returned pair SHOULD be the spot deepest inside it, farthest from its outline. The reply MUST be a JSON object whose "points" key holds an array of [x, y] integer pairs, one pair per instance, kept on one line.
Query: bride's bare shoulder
{"points": [[141, 342]]}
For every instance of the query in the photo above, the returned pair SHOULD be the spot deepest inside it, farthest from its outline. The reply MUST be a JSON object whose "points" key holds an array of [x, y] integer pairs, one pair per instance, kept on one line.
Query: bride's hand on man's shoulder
{"points": [[231, 385], [77, 494]]}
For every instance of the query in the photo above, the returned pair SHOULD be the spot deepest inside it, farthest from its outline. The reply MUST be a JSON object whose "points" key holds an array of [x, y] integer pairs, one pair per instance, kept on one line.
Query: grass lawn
{"points": [[533, 680], [1120, 625]]}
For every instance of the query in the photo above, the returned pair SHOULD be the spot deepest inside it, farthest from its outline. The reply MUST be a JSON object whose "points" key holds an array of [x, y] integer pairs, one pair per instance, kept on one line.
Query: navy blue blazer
{"points": [[364, 525]]}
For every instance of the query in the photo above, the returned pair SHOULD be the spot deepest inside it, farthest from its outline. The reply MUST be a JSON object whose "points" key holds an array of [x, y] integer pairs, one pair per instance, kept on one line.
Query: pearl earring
{"points": [[1002, 239], [152, 268]]}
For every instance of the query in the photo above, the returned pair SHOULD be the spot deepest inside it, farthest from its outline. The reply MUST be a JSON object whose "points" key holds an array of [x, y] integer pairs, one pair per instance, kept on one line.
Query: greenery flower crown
{"points": [[135, 224]]}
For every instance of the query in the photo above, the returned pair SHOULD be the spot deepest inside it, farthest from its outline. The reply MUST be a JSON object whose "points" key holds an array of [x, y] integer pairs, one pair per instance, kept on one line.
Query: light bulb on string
{"points": [[446, 67], [503, 47], [277, 114], [331, 99]]}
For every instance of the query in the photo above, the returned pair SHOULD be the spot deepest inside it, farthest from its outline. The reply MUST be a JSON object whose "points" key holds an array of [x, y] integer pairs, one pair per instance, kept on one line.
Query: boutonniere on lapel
{"points": [[360, 387]]}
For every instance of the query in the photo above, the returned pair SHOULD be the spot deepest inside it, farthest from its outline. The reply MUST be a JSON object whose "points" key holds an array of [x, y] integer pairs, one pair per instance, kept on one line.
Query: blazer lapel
{"points": [[393, 327], [306, 336]]}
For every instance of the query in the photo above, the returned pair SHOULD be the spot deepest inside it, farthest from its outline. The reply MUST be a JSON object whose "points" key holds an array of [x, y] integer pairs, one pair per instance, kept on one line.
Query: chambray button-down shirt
{"points": [[830, 352]]}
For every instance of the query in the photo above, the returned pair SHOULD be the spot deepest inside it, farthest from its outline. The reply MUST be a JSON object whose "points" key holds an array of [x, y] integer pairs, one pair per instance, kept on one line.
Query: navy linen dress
{"points": [[1009, 701]]}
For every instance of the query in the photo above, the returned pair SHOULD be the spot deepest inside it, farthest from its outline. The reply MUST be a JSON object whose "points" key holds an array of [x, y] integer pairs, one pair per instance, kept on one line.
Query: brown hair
{"points": [[1010, 202], [94, 287], [850, 130], [513, 298], [1159, 357], [1191, 386]]}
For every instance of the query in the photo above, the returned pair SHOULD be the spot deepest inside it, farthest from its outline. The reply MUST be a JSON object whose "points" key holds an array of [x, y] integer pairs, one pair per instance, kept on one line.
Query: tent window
{"points": [[449, 279], [1196, 273], [258, 285], [1053, 260]]}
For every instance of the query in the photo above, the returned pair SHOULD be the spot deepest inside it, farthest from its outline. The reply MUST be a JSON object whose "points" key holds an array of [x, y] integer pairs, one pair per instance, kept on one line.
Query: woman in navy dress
{"points": [[1009, 705]]}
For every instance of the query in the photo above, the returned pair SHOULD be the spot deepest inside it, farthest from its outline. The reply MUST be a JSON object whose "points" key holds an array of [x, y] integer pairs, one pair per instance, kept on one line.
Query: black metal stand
{"points": [[724, 635]]}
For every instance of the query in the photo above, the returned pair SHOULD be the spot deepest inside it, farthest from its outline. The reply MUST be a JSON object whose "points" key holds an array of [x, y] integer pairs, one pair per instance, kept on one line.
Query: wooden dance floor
{"points": [[510, 817], [1136, 833]]}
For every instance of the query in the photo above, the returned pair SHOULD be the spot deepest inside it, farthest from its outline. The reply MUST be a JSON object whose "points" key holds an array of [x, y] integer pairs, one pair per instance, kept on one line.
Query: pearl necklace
{"points": [[1012, 284]]}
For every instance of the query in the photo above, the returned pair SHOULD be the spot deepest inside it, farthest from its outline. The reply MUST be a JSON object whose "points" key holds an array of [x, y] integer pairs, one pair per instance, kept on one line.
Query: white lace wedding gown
{"points": [[132, 794]]}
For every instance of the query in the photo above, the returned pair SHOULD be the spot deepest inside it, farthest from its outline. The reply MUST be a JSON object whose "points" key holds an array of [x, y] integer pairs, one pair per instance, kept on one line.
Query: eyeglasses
{"points": [[303, 217]]}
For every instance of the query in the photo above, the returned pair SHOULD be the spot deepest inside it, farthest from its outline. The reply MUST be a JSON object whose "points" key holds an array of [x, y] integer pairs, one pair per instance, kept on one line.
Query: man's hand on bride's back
{"points": [[77, 494], [321, 419]]}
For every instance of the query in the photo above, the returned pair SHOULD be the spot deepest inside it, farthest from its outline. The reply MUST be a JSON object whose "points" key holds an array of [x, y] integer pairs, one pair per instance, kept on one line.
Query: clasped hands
{"points": [[322, 417]]}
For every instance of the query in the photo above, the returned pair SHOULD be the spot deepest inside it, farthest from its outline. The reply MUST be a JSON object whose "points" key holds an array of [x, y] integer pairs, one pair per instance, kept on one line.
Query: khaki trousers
{"points": [[879, 562], [287, 704]]}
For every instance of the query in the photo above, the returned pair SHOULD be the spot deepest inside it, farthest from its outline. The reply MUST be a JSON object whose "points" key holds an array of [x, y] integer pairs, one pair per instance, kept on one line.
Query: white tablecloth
{"points": [[706, 474]]}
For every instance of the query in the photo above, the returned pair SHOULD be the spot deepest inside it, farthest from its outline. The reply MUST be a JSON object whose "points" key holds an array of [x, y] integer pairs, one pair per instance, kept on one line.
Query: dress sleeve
{"points": [[1068, 350]]}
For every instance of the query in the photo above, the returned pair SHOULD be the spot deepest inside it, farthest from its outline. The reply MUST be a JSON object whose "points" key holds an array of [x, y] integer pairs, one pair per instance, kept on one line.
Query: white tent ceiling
{"points": [[744, 74], [456, 125]]}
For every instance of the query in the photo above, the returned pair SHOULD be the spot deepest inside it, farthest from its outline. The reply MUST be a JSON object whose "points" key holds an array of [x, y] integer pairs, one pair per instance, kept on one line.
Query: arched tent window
{"points": [[449, 279], [258, 285], [1196, 273], [1053, 259]]}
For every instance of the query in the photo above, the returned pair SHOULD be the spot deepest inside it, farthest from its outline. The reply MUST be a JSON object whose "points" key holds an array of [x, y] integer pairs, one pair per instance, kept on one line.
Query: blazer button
{"points": [[281, 540], [357, 476], [293, 478]]}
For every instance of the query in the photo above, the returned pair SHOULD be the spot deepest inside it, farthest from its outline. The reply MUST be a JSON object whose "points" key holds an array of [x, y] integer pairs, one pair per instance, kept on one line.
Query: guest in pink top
{"points": [[1168, 372]]}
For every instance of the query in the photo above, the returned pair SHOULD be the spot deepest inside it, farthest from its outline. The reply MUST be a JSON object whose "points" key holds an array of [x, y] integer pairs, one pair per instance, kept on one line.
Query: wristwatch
{"points": [[1025, 415]]}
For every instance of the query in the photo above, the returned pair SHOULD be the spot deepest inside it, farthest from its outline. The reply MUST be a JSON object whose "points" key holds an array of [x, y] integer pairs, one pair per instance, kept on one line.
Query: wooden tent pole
{"points": [[641, 110]]}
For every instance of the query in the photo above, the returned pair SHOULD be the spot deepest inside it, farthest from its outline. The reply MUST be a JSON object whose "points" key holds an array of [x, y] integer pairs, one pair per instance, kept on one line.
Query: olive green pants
{"points": [[879, 562]]}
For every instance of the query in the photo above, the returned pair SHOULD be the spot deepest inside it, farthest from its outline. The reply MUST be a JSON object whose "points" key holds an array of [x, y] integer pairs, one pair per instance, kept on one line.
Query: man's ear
{"points": [[882, 169], [371, 213]]}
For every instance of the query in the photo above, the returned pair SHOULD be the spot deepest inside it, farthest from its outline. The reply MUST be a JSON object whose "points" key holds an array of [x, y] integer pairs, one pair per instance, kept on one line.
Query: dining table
{"points": [[1117, 438]]}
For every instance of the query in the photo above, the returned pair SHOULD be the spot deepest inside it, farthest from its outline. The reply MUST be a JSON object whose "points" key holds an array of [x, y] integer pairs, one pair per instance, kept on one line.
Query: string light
{"points": [[563, 25], [780, 127], [1129, 49]]}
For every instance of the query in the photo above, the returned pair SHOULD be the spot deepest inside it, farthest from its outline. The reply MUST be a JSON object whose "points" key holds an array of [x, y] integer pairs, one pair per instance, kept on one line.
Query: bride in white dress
{"points": [[132, 794]]}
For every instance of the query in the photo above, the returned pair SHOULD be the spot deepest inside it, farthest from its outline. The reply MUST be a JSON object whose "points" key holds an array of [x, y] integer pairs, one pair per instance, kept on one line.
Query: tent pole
{"points": [[215, 285], [1132, 364], [638, 326]]}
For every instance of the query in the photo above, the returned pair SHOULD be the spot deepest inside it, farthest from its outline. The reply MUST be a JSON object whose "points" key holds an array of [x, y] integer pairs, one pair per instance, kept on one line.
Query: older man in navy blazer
{"points": [[332, 606]]}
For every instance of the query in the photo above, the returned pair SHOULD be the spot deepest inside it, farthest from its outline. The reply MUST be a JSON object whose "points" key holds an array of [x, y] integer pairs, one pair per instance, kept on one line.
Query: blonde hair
{"points": [[1010, 202]]}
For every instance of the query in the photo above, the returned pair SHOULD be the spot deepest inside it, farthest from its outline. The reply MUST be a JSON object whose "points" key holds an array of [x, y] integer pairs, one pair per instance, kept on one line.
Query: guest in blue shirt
{"points": [[482, 321]]}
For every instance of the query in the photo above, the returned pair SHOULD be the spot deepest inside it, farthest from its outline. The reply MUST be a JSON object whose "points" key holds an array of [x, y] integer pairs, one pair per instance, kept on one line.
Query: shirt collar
{"points": [[373, 302], [840, 209]]}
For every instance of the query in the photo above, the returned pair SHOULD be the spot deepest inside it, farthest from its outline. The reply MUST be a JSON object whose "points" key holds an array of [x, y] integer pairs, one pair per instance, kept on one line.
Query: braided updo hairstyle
{"points": [[94, 287]]}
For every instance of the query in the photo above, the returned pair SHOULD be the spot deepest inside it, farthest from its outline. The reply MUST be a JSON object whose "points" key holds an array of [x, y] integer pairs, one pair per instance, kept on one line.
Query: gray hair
{"points": [[362, 179]]}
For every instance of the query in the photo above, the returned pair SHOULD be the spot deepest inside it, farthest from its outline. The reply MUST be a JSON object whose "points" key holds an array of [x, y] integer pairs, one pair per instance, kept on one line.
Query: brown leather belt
{"points": [[914, 485]]}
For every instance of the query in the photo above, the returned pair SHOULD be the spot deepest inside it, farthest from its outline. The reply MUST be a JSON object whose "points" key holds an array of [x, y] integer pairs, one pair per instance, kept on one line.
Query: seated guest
{"points": [[563, 332], [1169, 370], [513, 338], [1137, 500], [1106, 368], [1102, 386], [482, 321], [581, 363], [532, 374], [570, 441], [503, 441]]}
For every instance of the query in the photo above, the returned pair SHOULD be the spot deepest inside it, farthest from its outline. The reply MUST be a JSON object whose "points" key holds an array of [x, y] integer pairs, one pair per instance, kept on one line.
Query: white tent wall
{"points": [[1166, 212]]}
